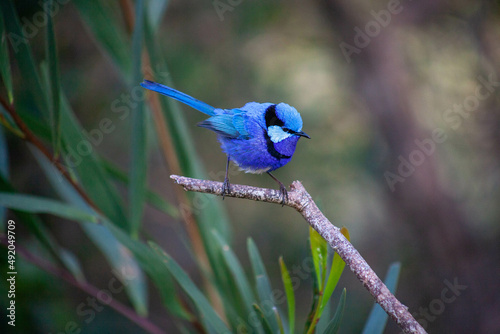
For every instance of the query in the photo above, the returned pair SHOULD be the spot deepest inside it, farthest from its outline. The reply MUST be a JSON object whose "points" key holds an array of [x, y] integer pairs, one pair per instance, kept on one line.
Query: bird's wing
{"points": [[230, 124]]}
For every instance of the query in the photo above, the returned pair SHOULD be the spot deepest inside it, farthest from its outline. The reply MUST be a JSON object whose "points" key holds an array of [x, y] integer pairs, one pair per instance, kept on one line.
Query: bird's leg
{"points": [[225, 186], [283, 191]]}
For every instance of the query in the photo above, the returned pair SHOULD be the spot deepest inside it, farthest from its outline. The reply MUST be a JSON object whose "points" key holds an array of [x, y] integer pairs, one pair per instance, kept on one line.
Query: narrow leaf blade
{"points": [[116, 254], [266, 326], [290, 296], [4, 60], [124, 265], [205, 309], [139, 151], [99, 16], [262, 283], [319, 254], [156, 9], [279, 320], [24, 57], [44, 236], [334, 325], [92, 176], [55, 86], [152, 264], [237, 272], [4, 170], [34, 204]]}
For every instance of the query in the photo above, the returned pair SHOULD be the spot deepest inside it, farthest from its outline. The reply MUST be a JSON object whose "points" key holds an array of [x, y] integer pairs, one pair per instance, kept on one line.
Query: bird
{"points": [[258, 137]]}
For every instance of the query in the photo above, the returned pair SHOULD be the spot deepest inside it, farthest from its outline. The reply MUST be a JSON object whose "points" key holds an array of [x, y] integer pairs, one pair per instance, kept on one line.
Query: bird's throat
{"points": [[283, 149]]}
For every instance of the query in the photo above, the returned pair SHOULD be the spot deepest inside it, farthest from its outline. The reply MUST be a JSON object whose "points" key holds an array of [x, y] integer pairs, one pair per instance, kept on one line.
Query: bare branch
{"points": [[300, 200]]}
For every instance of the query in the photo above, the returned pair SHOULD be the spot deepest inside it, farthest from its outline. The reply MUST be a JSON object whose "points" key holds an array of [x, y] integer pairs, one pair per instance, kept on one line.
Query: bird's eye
{"points": [[271, 118]]}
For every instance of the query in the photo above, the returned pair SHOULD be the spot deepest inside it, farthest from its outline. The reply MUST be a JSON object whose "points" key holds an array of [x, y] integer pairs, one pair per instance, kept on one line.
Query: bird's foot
{"points": [[284, 194], [283, 191], [225, 188]]}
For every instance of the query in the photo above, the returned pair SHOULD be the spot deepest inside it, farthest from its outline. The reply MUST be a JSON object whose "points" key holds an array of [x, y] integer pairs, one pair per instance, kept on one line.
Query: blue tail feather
{"points": [[175, 94]]}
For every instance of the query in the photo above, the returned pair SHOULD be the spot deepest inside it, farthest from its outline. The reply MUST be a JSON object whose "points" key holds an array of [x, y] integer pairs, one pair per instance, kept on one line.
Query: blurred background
{"points": [[401, 100]]}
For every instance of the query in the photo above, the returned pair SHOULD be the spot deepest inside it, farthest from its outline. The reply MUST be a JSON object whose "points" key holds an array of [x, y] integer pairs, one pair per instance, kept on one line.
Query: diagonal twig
{"points": [[300, 200], [88, 288]]}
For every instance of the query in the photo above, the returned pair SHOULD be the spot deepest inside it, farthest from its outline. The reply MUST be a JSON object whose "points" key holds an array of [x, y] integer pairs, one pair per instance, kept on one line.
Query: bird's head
{"points": [[283, 121]]}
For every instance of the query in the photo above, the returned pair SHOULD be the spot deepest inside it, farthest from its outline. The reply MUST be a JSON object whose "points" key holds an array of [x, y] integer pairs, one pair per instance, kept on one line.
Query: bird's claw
{"points": [[225, 188], [284, 195]]}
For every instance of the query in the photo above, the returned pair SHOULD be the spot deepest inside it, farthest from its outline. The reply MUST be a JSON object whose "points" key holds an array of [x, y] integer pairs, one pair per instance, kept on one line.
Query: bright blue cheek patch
{"points": [[277, 134]]}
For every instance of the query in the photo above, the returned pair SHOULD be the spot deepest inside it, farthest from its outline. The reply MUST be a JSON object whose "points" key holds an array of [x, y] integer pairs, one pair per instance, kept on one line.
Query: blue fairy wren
{"points": [[258, 137]]}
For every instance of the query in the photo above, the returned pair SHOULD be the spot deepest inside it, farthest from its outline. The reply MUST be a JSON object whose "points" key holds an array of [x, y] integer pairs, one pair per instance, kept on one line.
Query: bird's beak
{"points": [[302, 134]]}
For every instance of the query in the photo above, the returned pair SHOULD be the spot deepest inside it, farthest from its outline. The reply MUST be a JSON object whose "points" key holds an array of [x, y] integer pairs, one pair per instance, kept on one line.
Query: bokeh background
{"points": [[404, 118]]}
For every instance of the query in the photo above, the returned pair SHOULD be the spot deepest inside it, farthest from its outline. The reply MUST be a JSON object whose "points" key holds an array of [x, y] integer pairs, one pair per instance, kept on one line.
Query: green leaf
{"points": [[35, 124], [43, 235], [55, 87], [4, 61], [237, 273], [278, 320], [34, 204], [155, 10], [24, 57], [228, 291], [263, 284], [123, 263], [324, 320], [335, 272], [378, 317], [139, 149], [290, 297], [100, 17], [345, 232], [4, 171], [72, 263], [312, 316], [205, 309], [152, 264], [266, 326], [334, 325], [319, 254], [87, 167], [117, 255]]}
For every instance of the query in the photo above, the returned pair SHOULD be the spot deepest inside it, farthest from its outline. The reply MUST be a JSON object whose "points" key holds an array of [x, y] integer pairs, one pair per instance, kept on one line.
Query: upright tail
{"points": [[175, 94]]}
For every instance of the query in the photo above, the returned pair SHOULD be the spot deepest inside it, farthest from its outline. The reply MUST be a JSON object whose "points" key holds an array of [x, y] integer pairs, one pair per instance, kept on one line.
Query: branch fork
{"points": [[302, 202]]}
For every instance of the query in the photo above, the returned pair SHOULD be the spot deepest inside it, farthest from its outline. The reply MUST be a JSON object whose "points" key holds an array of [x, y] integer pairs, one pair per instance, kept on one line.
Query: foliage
{"points": [[114, 225]]}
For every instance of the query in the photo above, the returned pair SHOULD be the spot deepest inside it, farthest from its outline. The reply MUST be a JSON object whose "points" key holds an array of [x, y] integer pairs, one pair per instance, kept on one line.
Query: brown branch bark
{"points": [[300, 200]]}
